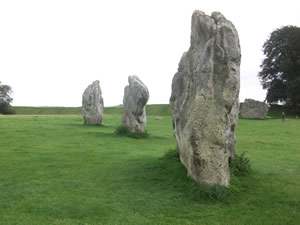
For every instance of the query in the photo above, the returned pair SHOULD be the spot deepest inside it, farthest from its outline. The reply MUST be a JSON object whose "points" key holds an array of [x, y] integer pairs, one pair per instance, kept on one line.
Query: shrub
{"points": [[5, 99], [6, 109]]}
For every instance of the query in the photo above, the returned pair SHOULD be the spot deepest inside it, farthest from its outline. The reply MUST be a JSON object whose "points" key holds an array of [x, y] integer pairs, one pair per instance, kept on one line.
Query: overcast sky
{"points": [[51, 50]]}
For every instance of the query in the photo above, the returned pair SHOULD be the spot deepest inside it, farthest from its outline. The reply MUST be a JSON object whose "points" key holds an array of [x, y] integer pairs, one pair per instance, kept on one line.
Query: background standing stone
{"points": [[253, 109], [136, 96], [204, 99], [92, 104]]}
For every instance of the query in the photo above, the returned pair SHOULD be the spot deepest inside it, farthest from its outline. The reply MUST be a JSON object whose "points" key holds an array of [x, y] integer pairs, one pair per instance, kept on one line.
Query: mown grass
{"points": [[26, 110], [156, 109], [55, 170], [152, 110]]}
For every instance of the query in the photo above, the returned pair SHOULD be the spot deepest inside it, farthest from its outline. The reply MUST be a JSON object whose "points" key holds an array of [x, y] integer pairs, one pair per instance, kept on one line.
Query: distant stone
{"points": [[92, 104], [205, 99], [253, 109], [158, 118], [136, 96]]}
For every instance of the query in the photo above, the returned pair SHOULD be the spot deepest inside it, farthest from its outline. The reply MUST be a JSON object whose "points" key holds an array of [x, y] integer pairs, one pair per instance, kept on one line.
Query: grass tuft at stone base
{"points": [[239, 167], [124, 131]]}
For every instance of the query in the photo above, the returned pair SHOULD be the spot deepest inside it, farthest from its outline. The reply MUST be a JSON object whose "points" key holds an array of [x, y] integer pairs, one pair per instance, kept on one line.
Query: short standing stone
{"points": [[92, 104], [205, 101], [253, 109], [136, 96]]}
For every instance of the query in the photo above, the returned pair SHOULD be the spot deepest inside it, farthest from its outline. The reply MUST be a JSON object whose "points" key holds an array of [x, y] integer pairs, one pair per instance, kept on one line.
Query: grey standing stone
{"points": [[205, 99], [136, 96], [92, 104], [253, 109]]}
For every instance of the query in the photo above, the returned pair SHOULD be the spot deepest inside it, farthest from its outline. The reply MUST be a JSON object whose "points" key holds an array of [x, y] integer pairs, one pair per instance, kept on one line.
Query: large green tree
{"points": [[280, 69], [5, 99]]}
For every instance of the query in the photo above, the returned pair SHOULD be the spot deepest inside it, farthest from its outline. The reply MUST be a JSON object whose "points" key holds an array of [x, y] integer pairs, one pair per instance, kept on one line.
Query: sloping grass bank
{"points": [[155, 109], [163, 110], [27, 110]]}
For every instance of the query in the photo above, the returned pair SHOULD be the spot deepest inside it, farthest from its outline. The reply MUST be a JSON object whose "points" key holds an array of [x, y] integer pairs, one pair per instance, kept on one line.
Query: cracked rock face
{"points": [[253, 109], [136, 96], [92, 104], [205, 99]]}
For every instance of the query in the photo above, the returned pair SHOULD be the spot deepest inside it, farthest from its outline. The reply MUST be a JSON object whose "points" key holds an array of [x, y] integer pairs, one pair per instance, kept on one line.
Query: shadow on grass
{"points": [[168, 175], [122, 131], [84, 126], [157, 137], [100, 134]]}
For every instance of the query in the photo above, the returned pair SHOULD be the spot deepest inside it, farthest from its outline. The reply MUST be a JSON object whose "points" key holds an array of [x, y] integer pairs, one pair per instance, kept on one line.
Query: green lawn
{"points": [[152, 110], [155, 109], [55, 170]]}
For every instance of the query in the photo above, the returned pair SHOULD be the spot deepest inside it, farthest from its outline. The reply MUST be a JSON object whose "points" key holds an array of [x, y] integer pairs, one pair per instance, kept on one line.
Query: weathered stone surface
{"points": [[204, 99], [92, 104], [136, 96], [253, 109]]}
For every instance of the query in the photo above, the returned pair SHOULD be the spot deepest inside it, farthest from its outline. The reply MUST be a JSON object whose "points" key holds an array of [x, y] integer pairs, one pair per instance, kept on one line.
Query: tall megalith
{"points": [[92, 104], [205, 99], [136, 96]]}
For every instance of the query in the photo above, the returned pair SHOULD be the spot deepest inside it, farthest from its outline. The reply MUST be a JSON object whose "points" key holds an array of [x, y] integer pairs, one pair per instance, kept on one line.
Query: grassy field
{"points": [[155, 109], [55, 170], [159, 109]]}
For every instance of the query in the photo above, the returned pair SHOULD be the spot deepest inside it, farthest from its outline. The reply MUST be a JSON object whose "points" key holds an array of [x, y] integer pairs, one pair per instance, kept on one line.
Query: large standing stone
{"points": [[92, 104], [204, 99], [136, 96], [253, 109]]}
